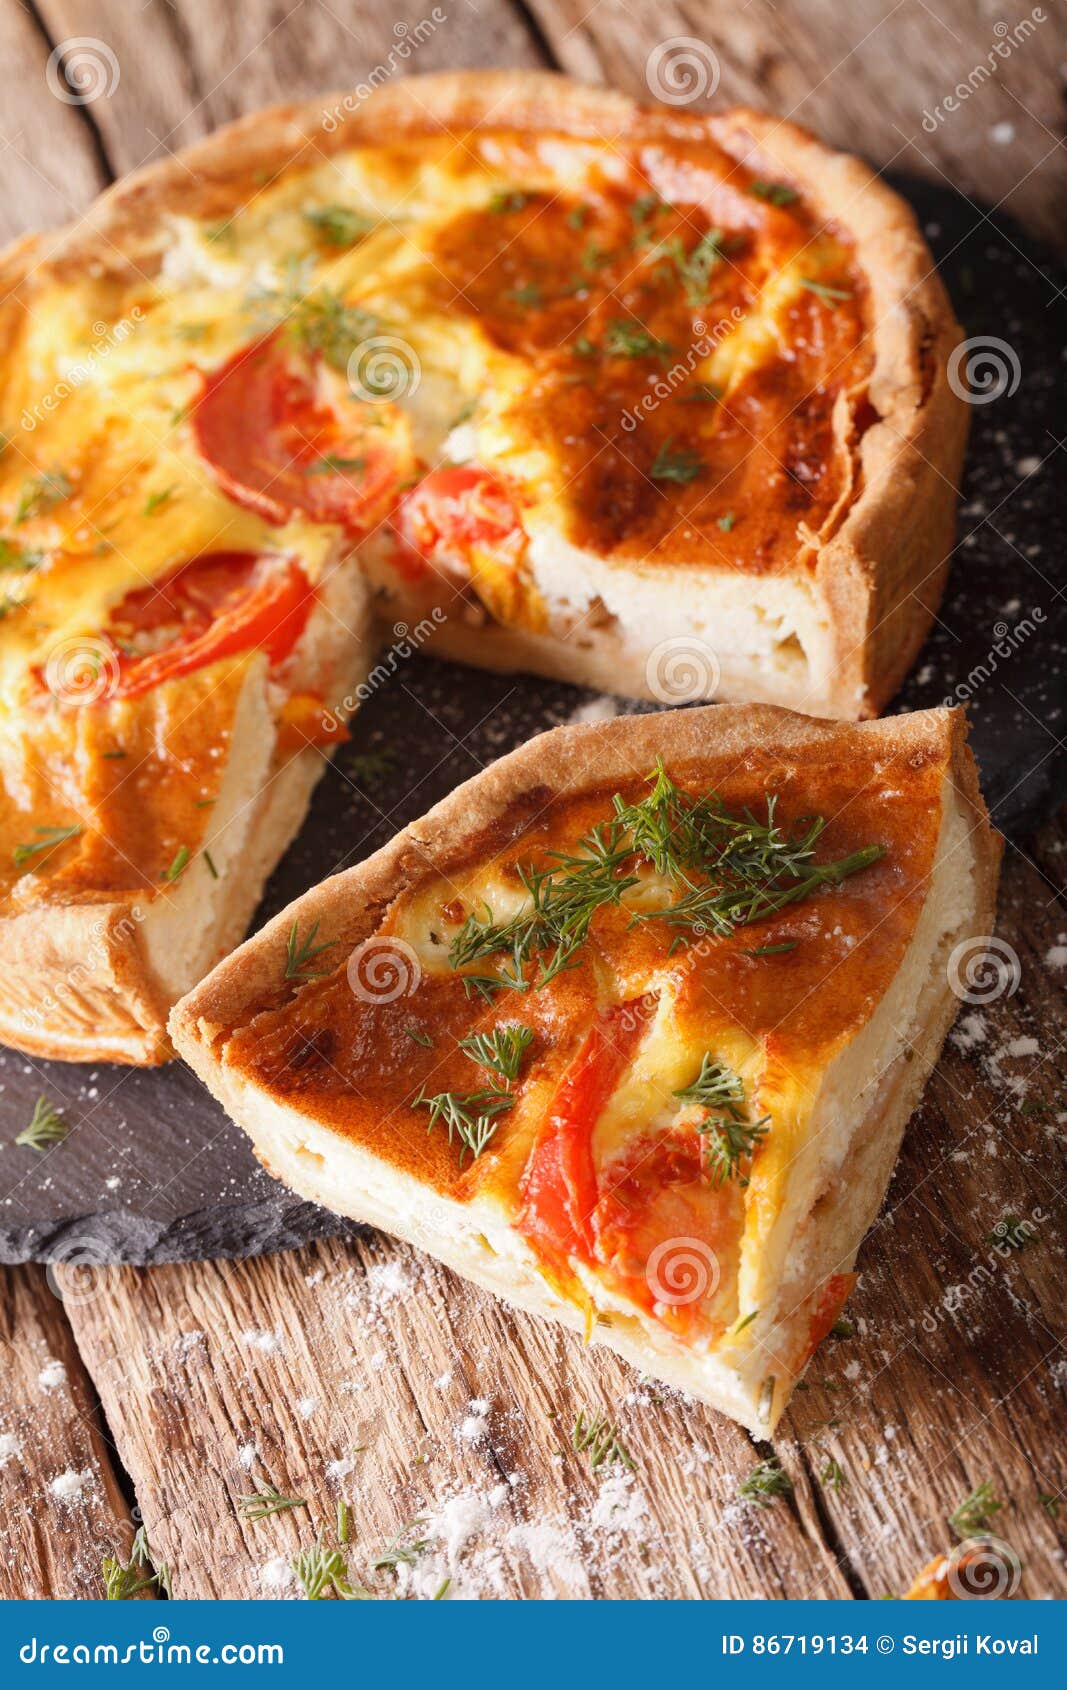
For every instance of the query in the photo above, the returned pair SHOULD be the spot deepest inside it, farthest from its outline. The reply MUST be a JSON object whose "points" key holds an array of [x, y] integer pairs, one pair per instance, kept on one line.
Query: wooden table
{"points": [[367, 1374]]}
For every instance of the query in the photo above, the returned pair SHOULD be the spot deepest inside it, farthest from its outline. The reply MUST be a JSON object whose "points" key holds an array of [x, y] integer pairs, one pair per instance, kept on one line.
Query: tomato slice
{"points": [[558, 1187], [282, 435], [215, 606], [457, 510]]}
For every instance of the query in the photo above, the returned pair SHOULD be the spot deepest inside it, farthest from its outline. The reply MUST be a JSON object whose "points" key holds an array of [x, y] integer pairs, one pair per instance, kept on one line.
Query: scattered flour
{"points": [[306, 1407], [265, 1342], [277, 1575], [10, 1448], [247, 1456], [53, 1376], [474, 1424], [69, 1487]]}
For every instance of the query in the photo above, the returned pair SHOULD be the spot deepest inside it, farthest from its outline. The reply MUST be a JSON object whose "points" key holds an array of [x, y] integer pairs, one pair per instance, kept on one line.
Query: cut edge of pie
{"points": [[797, 1269]]}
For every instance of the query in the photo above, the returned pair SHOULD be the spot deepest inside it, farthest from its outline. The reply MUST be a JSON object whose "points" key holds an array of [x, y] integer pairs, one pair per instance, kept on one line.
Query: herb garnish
{"points": [[47, 840], [508, 200], [398, 1553], [832, 1475], [695, 268], [502, 1050], [340, 225], [470, 1117], [975, 1511], [122, 1580], [13, 556], [632, 340], [775, 193], [728, 1137], [299, 952], [726, 522], [320, 321], [824, 291], [154, 500], [599, 1438], [681, 466], [730, 870], [419, 1038], [178, 866], [320, 1570], [260, 1504], [765, 1482], [1013, 1232], [46, 1127], [42, 493], [331, 464]]}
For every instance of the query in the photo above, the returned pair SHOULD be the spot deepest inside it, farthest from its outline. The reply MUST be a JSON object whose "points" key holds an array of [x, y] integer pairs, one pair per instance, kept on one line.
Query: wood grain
{"points": [[220, 1377], [61, 1507], [445, 1407], [48, 160], [190, 66], [870, 78]]}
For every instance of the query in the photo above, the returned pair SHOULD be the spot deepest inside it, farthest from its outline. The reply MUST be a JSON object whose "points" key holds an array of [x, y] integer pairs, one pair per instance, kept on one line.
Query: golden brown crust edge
{"points": [[349, 905], [881, 576]]}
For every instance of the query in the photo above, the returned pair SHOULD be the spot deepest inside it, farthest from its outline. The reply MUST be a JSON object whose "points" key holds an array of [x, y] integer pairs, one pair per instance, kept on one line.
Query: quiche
{"points": [[628, 1028], [650, 401]]}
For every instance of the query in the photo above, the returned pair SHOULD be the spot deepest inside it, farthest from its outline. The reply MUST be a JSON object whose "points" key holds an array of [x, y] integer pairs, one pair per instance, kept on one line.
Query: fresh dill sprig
{"points": [[266, 1500], [178, 866], [471, 1117], [730, 870], [124, 1579], [502, 1050], [682, 466], [47, 840], [300, 952], [832, 1476], [1013, 1232], [403, 1550], [321, 1572], [46, 1126], [339, 225], [729, 1138], [695, 268], [975, 1511], [829, 295], [775, 193], [41, 493], [317, 319], [598, 1437], [632, 340], [765, 1482], [508, 200]]}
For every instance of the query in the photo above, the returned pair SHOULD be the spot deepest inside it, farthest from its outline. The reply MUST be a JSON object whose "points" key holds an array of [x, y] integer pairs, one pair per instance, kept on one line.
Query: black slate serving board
{"points": [[152, 1170]]}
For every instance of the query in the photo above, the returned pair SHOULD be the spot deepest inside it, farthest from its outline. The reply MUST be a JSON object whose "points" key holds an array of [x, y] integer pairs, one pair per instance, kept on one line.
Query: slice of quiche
{"points": [[628, 1028]]}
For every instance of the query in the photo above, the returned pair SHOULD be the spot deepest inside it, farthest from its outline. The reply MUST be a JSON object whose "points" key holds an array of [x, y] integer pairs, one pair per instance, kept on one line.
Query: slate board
{"points": [[153, 1170]]}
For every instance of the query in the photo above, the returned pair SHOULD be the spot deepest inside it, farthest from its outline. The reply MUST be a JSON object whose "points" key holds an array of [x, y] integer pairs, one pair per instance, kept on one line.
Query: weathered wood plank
{"points": [[48, 162], [61, 1508], [870, 78], [187, 67], [367, 1372]]}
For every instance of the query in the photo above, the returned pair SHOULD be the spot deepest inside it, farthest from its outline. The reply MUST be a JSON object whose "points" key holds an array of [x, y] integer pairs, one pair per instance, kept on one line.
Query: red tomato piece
{"points": [[220, 604], [559, 1184], [456, 509], [269, 425]]}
